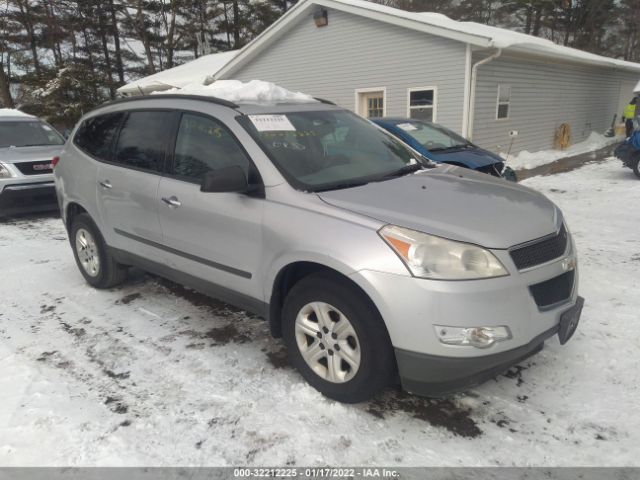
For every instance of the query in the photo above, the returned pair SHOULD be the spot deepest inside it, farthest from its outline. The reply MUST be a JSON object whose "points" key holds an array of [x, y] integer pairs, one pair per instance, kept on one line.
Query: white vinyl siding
{"points": [[544, 95], [353, 53]]}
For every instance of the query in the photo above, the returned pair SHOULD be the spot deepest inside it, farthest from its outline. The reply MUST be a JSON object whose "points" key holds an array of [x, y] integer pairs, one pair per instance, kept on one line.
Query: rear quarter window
{"points": [[95, 136]]}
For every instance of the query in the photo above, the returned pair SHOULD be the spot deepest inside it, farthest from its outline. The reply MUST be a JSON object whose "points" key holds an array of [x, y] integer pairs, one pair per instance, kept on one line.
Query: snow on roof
{"points": [[498, 37], [201, 70], [253, 92], [436, 24], [12, 112]]}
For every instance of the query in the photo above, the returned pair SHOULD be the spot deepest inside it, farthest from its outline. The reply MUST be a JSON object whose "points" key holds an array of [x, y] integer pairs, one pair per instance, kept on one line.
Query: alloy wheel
{"points": [[87, 251], [328, 342]]}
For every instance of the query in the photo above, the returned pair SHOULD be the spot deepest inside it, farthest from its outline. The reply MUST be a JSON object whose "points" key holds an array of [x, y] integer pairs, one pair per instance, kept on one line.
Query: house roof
{"points": [[201, 70], [478, 35]]}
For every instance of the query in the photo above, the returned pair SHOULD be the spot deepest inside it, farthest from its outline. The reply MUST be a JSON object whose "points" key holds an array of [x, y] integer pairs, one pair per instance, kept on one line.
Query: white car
{"points": [[27, 148]]}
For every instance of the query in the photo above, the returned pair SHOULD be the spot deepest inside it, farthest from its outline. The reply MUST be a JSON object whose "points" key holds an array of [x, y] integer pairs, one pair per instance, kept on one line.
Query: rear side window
{"points": [[203, 144], [143, 139], [96, 134]]}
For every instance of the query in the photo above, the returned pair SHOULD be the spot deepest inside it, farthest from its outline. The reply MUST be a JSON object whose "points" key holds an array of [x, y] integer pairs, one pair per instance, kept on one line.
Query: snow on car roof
{"points": [[253, 92], [13, 112]]}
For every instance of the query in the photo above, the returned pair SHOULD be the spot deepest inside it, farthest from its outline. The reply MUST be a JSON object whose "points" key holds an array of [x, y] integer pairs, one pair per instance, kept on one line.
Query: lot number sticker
{"points": [[272, 123]]}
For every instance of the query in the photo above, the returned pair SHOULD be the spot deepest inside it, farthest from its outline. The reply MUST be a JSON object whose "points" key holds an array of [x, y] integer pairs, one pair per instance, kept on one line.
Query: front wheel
{"points": [[636, 167], [336, 339]]}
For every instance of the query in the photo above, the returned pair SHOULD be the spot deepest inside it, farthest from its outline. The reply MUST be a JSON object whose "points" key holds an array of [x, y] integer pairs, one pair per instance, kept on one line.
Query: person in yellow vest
{"points": [[629, 114]]}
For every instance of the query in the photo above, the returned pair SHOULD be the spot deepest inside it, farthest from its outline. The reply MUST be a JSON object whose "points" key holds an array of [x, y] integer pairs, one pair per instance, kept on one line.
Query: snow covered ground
{"points": [[528, 160], [153, 374]]}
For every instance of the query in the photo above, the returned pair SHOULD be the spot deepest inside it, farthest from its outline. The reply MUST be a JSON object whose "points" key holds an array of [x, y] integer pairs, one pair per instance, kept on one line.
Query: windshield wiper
{"points": [[340, 186], [401, 172], [454, 147]]}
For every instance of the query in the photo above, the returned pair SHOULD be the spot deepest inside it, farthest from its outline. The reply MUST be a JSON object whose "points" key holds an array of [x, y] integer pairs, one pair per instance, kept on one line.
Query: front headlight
{"points": [[428, 256], [4, 171]]}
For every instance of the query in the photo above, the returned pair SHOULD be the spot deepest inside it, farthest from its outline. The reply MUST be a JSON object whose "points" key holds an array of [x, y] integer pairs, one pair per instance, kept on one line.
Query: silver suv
{"points": [[28, 146], [371, 263]]}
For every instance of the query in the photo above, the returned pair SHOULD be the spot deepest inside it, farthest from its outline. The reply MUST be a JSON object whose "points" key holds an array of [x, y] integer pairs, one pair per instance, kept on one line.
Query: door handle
{"points": [[172, 201], [106, 184]]}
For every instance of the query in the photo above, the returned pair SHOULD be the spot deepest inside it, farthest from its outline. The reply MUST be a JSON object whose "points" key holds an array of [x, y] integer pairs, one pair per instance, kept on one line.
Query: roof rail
{"points": [[172, 96], [324, 100]]}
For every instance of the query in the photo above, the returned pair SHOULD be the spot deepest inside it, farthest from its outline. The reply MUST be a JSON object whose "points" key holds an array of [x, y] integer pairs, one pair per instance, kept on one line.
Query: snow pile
{"points": [[13, 112], [528, 160], [255, 91], [200, 71]]}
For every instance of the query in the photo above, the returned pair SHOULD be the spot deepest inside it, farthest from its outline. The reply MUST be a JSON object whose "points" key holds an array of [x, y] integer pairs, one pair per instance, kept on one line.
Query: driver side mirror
{"points": [[225, 180]]}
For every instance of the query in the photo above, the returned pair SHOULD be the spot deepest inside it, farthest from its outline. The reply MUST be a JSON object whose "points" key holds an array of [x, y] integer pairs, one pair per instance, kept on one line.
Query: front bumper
{"points": [[435, 376], [16, 198], [432, 375], [411, 307]]}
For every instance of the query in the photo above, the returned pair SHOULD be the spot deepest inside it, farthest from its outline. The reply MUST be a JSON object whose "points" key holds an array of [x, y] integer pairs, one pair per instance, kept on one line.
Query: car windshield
{"points": [[28, 134], [433, 137], [326, 150]]}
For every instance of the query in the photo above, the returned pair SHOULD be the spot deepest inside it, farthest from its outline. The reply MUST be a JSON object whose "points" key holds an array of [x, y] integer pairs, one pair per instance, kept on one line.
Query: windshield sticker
{"points": [[271, 123], [289, 145], [407, 127]]}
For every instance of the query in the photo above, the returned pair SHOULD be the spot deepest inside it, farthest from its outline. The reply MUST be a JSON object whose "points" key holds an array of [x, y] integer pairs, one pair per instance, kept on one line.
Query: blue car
{"points": [[440, 144], [629, 152]]}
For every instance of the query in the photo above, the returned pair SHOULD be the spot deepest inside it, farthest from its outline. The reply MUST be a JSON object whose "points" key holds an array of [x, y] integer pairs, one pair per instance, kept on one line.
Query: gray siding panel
{"points": [[353, 52], [543, 96]]}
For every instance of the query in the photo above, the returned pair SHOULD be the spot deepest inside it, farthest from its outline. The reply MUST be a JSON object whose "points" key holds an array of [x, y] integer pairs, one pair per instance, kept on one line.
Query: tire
{"points": [[636, 167], [363, 337], [96, 264]]}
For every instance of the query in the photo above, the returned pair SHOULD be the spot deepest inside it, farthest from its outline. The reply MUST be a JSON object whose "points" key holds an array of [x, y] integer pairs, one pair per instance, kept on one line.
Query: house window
{"points": [[504, 102], [422, 104], [370, 103], [375, 106]]}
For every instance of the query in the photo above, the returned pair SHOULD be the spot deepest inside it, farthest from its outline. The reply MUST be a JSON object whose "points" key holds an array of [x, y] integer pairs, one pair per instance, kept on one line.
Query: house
{"points": [[200, 70], [497, 87]]}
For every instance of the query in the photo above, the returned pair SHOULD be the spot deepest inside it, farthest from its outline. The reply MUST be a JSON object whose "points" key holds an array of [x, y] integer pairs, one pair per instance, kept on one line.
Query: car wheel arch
{"points": [[288, 276], [72, 210]]}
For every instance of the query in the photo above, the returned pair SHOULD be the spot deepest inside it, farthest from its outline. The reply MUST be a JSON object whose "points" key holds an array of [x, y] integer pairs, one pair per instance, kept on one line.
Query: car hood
{"points": [[29, 154], [455, 203], [474, 158]]}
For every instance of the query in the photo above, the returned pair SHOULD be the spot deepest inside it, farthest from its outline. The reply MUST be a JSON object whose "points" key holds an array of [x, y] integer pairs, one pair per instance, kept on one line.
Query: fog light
{"points": [[479, 337]]}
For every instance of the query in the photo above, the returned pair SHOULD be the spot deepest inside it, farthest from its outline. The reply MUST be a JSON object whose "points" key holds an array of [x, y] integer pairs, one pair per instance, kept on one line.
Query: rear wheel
{"points": [[96, 264], [636, 167], [336, 339]]}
